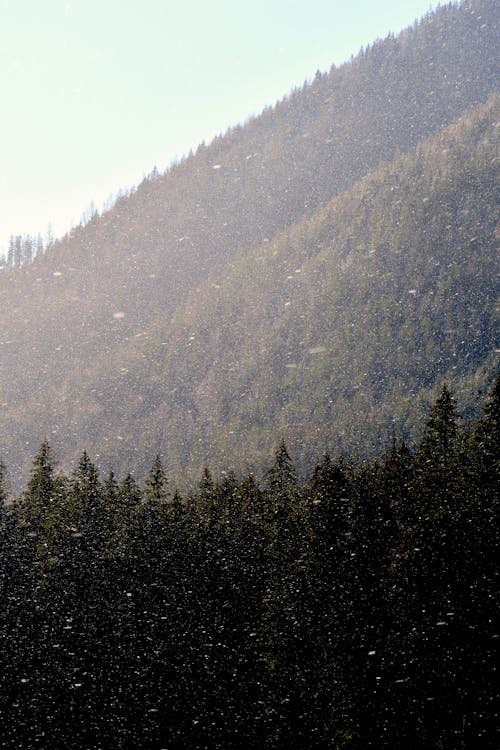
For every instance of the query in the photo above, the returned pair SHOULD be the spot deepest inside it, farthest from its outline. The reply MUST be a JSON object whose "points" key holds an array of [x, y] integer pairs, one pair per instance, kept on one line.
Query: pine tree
{"points": [[281, 478], [38, 500], [39, 245], [86, 489], [156, 490], [11, 252], [439, 439], [27, 254], [202, 506], [3, 486], [18, 251]]}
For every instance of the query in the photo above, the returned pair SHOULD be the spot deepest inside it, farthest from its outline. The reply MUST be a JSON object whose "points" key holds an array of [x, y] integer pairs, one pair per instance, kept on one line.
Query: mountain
{"points": [[332, 257]]}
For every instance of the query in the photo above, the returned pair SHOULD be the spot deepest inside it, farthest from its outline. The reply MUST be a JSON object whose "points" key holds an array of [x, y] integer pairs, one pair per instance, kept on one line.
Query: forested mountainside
{"points": [[348, 320], [96, 334], [325, 333]]}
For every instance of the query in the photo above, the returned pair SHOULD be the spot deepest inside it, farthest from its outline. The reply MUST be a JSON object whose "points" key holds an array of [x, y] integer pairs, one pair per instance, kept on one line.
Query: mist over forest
{"points": [[300, 321]]}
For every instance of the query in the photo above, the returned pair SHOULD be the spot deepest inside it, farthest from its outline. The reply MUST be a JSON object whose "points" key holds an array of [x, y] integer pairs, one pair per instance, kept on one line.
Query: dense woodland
{"points": [[358, 609], [316, 272]]}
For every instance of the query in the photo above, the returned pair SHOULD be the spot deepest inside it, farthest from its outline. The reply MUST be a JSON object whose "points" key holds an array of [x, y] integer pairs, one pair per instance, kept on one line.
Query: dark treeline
{"points": [[357, 610]]}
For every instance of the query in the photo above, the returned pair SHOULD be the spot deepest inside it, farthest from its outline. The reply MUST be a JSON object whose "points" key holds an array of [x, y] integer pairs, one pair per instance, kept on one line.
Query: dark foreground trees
{"points": [[359, 610]]}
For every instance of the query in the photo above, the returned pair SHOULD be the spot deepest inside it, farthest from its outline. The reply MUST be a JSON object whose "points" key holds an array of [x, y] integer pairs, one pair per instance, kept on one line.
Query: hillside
{"points": [[364, 308], [166, 320]]}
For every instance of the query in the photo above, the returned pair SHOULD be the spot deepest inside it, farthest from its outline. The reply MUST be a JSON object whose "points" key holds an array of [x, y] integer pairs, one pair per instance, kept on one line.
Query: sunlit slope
{"points": [[325, 334], [350, 318], [75, 324]]}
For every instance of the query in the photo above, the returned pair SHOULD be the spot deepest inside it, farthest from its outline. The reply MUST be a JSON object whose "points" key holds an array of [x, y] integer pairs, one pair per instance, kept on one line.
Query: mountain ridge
{"points": [[102, 287], [305, 271]]}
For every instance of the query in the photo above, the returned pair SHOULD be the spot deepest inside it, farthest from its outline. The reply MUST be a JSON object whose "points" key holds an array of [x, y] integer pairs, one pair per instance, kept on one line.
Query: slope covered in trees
{"points": [[357, 610], [85, 327], [353, 316], [327, 332]]}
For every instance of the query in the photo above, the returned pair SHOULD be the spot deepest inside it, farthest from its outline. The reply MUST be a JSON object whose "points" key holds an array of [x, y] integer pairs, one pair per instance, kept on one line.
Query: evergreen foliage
{"points": [[356, 610], [337, 266]]}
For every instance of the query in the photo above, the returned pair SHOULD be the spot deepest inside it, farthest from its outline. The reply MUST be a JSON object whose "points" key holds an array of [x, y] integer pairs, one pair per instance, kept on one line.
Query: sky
{"points": [[95, 93]]}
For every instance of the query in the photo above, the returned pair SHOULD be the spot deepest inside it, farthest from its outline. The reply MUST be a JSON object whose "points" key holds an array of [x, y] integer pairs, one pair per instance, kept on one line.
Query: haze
{"points": [[97, 94]]}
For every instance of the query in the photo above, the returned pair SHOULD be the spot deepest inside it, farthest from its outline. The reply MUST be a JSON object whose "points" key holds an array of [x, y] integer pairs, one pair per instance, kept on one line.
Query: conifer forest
{"points": [[249, 428], [357, 609]]}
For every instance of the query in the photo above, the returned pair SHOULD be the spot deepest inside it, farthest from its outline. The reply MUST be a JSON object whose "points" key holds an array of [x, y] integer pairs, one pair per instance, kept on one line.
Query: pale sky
{"points": [[95, 93]]}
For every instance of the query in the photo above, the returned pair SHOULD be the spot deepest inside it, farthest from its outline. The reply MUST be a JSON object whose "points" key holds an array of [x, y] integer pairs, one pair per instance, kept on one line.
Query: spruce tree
{"points": [[156, 490], [38, 500], [439, 439]]}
